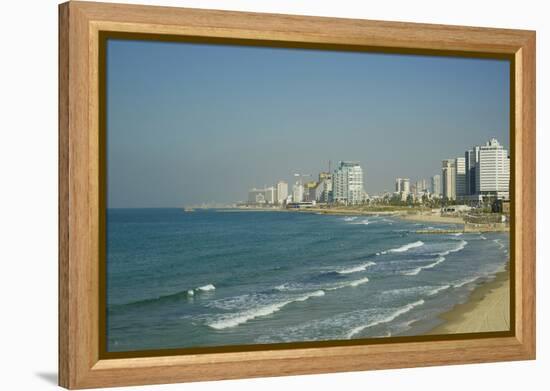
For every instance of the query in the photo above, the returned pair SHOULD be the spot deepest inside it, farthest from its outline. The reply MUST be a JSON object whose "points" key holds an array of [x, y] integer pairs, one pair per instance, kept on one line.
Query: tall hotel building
{"points": [[436, 185], [471, 159], [448, 179], [398, 185], [271, 195], [406, 186], [493, 170], [298, 192], [347, 183], [460, 164], [323, 191], [282, 192]]}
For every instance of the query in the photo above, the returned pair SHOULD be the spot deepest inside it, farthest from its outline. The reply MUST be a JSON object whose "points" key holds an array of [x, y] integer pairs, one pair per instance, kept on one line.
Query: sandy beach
{"points": [[487, 309]]}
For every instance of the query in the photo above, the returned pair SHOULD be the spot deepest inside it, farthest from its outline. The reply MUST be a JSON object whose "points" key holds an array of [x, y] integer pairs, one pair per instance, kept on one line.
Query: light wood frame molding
{"points": [[80, 24]]}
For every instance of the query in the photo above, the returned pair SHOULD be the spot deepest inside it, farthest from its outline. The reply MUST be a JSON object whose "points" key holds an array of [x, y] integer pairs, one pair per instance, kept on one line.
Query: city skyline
{"points": [[185, 129], [483, 172]]}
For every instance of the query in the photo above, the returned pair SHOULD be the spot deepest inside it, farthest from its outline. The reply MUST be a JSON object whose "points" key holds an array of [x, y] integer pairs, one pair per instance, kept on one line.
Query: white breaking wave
{"points": [[438, 289], [289, 287], [482, 237], [358, 282], [459, 247], [245, 316], [356, 269], [350, 218], [353, 283], [363, 222], [457, 234], [465, 282], [206, 288], [417, 270], [404, 248], [190, 292], [389, 318], [499, 242]]}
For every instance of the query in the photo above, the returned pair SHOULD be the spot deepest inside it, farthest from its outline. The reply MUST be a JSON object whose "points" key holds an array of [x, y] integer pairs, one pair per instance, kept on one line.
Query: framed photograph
{"points": [[247, 195]]}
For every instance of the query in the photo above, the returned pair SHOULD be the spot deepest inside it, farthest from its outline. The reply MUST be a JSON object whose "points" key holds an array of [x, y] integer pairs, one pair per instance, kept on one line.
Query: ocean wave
{"points": [[438, 289], [415, 271], [499, 242], [363, 222], [400, 311], [403, 248], [352, 283], [465, 281], [482, 237], [355, 269], [243, 317], [206, 288], [350, 218], [459, 247], [422, 290], [185, 293], [330, 286], [457, 234]]}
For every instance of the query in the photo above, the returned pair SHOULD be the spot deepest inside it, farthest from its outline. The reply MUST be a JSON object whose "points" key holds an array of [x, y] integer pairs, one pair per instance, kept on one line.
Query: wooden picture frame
{"points": [[81, 364]]}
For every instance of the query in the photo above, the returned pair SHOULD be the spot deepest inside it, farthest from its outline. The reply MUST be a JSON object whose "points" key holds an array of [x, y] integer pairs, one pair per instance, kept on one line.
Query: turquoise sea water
{"points": [[214, 277]]}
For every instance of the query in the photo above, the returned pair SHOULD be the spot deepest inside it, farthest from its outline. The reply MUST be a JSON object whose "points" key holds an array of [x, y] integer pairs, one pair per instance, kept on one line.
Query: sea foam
{"points": [[355, 269], [414, 272], [460, 246], [466, 281], [206, 288], [245, 316], [403, 248], [389, 318]]}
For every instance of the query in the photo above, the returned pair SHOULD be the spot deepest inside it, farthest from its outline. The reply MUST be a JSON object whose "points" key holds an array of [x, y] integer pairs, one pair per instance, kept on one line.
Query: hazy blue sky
{"points": [[189, 123]]}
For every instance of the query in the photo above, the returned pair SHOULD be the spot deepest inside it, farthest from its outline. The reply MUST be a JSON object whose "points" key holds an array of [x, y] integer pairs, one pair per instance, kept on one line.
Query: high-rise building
{"points": [[323, 191], [460, 177], [472, 159], [271, 195], [298, 192], [398, 185], [493, 170], [448, 179], [282, 192], [347, 183], [420, 186], [406, 186], [309, 191], [436, 185]]}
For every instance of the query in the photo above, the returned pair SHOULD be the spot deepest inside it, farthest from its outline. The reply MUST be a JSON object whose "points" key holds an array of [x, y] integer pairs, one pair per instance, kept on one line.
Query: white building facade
{"points": [[448, 179], [347, 183], [493, 171], [298, 192], [271, 195], [282, 192], [436, 185]]}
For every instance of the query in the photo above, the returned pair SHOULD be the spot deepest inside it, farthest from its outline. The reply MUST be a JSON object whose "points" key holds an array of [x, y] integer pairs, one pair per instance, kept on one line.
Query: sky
{"points": [[193, 123]]}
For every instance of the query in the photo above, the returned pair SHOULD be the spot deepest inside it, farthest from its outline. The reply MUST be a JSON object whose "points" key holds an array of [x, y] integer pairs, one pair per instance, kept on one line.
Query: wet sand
{"points": [[487, 309]]}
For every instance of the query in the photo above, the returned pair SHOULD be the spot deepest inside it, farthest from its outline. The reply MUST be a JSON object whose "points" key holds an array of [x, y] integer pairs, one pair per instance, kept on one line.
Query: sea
{"points": [[209, 278]]}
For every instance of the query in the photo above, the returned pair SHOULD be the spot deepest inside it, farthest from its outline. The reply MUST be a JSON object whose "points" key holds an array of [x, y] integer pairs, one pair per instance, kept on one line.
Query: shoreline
{"points": [[398, 214], [487, 309], [430, 218]]}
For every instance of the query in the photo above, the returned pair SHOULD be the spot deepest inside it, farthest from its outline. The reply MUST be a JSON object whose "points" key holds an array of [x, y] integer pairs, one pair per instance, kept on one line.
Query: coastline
{"points": [[431, 218], [487, 309]]}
